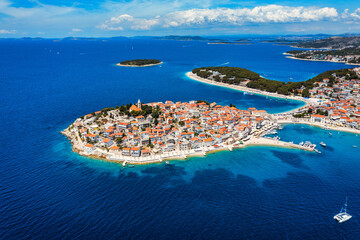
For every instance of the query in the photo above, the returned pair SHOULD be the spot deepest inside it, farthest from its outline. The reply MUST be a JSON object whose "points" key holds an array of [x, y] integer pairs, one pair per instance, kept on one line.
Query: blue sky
{"points": [[104, 18]]}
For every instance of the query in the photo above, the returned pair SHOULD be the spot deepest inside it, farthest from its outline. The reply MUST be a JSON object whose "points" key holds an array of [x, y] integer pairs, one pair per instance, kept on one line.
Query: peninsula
{"points": [[139, 63], [147, 133], [250, 81]]}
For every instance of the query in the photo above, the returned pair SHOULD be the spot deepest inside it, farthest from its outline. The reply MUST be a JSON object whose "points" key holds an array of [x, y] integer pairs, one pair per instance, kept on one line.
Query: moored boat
{"points": [[343, 216], [323, 144]]}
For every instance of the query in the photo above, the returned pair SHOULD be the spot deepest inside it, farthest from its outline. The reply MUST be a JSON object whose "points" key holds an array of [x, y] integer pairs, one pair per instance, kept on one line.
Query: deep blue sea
{"points": [[49, 192]]}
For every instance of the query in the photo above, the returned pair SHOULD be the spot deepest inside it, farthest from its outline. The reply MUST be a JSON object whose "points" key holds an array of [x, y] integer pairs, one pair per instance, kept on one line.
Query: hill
{"points": [[332, 43]]}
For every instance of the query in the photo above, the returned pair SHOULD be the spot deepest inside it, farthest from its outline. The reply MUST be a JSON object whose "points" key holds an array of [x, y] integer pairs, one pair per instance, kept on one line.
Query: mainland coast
{"points": [[288, 55]]}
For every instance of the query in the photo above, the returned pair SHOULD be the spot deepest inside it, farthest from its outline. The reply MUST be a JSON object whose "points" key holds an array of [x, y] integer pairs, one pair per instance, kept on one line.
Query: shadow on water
{"points": [[290, 158]]}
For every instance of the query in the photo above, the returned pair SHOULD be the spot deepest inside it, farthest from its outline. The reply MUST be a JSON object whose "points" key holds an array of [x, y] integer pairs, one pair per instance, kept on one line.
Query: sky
{"points": [[107, 18]]}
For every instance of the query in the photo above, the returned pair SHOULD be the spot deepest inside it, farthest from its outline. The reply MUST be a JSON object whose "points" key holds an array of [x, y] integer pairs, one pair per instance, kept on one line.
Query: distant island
{"points": [[235, 43], [186, 38], [333, 49], [139, 63]]}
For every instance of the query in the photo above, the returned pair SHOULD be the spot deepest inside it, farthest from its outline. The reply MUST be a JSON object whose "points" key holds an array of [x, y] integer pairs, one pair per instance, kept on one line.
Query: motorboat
{"points": [[323, 144]]}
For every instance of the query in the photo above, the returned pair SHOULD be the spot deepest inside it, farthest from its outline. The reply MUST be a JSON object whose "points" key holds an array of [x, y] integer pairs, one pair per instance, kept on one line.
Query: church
{"points": [[136, 108]]}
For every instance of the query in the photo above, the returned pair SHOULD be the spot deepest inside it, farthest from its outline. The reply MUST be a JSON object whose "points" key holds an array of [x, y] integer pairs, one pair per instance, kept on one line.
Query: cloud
{"points": [[223, 16], [4, 31], [128, 21], [43, 10], [356, 14], [76, 30]]}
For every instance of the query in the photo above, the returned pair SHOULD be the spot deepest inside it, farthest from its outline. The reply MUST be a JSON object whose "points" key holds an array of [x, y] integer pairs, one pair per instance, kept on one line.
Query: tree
{"points": [[182, 123], [305, 93], [118, 140]]}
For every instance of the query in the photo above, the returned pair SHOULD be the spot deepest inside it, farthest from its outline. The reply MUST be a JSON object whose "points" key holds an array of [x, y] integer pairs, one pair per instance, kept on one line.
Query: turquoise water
{"points": [[49, 192]]}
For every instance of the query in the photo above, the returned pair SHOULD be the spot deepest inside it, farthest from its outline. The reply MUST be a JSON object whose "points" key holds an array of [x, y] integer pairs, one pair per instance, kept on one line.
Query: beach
{"points": [[117, 157], [308, 102], [290, 120]]}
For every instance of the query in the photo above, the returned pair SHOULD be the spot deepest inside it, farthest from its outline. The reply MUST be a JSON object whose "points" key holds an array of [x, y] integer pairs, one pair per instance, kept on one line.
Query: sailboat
{"points": [[343, 216]]}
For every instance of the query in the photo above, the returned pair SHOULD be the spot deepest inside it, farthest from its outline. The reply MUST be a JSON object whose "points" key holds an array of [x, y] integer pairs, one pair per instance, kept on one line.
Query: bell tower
{"points": [[139, 104]]}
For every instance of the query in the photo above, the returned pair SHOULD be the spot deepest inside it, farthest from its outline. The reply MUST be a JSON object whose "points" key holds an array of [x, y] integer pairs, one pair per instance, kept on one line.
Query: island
{"points": [[139, 63], [153, 132], [332, 98], [333, 49], [234, 43]]}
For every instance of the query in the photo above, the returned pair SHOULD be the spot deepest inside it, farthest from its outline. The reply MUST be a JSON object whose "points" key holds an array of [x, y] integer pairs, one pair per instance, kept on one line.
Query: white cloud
{"points": [[4, 31], [76, 30], [128, 21], [40, 9], [224, 16], [356, 14]]}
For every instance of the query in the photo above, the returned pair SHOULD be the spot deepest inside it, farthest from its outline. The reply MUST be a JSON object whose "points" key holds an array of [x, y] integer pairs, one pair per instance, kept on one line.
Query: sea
{"points": [[49, 192]]}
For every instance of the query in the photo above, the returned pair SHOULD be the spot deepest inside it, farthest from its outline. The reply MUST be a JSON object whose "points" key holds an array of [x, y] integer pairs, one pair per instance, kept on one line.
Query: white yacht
{"points": [[323, 144], [342, 216]]}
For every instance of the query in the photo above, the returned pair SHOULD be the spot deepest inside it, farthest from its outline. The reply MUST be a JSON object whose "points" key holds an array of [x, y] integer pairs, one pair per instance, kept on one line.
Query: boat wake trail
{"points": [[223, 64]]}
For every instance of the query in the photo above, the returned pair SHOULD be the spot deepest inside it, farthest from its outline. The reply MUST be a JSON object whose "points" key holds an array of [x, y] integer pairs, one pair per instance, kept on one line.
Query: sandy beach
{"points": [[78, 147], [321, 125], [183, 155], [308, 102]]}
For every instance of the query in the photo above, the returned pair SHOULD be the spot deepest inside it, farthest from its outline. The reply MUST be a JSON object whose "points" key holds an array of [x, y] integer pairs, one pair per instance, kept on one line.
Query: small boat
{"points": [[167, 162], [343, 216], [323, 144], [354, 146], [330, 133], [316, 150]]}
